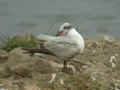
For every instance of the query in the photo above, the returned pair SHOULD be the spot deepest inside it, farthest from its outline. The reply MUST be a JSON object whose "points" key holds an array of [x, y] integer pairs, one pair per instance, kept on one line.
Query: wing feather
{"points": [[62, 48]]}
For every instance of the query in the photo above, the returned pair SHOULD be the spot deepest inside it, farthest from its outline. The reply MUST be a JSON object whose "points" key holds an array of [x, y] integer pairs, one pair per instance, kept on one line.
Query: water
{"points": [[94, 17]]}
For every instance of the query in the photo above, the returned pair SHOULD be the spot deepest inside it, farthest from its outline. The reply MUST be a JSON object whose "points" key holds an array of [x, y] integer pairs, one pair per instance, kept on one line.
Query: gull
{"points": [[65, 45]]}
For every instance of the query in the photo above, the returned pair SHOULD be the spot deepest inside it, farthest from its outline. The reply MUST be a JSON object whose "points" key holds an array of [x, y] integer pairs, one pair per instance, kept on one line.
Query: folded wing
{"points": [[62, 48]]}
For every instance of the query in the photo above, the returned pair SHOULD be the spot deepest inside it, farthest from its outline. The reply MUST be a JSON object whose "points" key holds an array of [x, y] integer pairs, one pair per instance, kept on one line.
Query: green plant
{"points": [[14, 43]]}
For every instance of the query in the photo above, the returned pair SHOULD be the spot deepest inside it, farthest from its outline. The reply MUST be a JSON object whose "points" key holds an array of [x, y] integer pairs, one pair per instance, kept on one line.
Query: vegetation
{"points": [[20, 41]]}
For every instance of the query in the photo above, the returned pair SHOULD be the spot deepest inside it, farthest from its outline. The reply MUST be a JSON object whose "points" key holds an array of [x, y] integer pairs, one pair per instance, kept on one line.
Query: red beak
{"points": [[59, 33]]}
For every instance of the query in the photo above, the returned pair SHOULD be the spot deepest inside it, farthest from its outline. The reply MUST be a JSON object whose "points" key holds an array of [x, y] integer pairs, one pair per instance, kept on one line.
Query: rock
{"points": [[2, 52], [31, 87], [4, 72], [92, 69], [17, 56], [3, 55], [8, 85], [24, 64], [43, 66], [27, 84], [19, 62]]}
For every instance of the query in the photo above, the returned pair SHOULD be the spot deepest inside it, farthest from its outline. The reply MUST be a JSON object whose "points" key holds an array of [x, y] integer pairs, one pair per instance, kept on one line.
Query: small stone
{"points": [[2, 89]]}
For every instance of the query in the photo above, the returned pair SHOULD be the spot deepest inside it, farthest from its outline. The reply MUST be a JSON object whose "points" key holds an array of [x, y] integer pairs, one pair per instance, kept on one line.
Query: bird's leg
{"points": [[16, 75], [65, 69]]}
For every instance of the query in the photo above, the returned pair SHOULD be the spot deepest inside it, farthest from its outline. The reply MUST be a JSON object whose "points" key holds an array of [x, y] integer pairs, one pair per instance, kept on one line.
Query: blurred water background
{"points": [[95, 17]]}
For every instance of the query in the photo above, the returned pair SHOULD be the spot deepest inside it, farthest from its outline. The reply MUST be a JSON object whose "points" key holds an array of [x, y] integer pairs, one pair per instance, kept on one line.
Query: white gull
{"points": [[65, 45]]}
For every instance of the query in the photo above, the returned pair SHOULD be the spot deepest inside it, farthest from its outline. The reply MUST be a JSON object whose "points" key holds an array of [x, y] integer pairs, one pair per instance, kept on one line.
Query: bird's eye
{"points": [[68, 27]]}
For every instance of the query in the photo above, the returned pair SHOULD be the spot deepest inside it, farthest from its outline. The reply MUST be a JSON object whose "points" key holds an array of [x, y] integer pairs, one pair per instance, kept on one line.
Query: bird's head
{"points": [[64, 29]]}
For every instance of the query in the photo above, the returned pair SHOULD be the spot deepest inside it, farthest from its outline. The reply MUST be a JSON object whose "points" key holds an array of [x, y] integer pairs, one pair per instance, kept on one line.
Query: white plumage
{"points": [[66, 45]]}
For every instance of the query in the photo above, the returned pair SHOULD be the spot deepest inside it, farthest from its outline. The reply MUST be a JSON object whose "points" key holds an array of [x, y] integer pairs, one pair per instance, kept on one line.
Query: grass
{"points": [[15, 43]]}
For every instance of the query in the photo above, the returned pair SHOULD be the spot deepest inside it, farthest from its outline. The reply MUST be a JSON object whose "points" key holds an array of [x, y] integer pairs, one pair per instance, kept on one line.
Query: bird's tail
{"points": [[32, 51]]}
